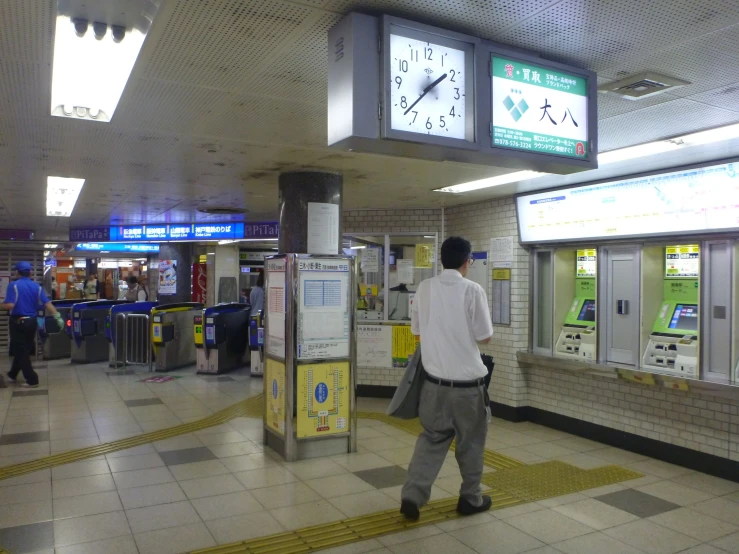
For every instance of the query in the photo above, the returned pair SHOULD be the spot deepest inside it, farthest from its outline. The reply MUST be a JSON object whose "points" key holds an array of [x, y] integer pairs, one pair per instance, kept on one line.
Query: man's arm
{"points": [[49, 307], [8, 306], [10, 298]]}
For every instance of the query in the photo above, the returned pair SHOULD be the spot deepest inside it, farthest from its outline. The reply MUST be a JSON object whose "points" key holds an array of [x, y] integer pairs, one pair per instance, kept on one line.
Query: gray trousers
{"points": [[447, 413]]}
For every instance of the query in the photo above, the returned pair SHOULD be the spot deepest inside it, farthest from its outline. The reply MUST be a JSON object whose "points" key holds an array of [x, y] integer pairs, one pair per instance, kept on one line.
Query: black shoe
{"points": [[466, 509], [409, 510], [10, 379]]}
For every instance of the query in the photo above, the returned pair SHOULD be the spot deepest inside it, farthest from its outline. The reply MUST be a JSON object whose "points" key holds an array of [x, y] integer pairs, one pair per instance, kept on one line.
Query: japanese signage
{"points": [[404, 345], [89, 234], [206, 231], [587, 263], [116, 247], [701, 199], [374, 346], [682, 262], [322, 399], [168, 277], [199, 279], [245, 257], [276, 305], [270, 230], [425, 255], [538, 109], [274, 379]]}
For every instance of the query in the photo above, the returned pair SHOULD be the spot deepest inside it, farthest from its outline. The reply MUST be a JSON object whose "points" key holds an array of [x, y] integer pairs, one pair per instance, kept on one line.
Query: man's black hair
{"points": [[455, 251]]}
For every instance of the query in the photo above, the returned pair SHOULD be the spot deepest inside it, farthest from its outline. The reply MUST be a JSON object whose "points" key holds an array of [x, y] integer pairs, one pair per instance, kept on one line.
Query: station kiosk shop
{"points": [[577, 337]]}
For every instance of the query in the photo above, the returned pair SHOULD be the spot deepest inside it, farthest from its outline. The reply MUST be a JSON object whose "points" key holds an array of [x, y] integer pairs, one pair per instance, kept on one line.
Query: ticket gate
{"points": [[221, 345], [172, 335], [56, 343], [256, 344], [127, 330], [89, 343]]}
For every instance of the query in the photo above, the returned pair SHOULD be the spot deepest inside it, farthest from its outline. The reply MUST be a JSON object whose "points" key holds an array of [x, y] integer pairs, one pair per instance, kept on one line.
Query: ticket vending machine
{"points": [[577, 336], [673, 342]]}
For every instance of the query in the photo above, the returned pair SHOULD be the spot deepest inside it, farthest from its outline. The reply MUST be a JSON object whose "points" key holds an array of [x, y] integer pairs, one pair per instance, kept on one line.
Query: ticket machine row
{"points": [[216, 339], [566, 282]]}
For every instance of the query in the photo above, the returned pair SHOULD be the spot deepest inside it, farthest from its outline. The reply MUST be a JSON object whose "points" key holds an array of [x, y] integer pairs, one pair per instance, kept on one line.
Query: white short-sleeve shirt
{"points": [[451, 314]]}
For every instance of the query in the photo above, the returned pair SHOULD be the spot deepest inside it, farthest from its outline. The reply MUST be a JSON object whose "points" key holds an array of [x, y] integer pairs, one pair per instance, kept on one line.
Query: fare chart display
{"points": [[701, 199]]}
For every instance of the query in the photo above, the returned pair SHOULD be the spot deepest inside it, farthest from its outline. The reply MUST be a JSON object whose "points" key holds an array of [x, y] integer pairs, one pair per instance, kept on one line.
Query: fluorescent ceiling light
{"points": [[222, 242], [492, 181], [51, 245], [639, 151], [61, 195], [357, 247], [89, 75]]}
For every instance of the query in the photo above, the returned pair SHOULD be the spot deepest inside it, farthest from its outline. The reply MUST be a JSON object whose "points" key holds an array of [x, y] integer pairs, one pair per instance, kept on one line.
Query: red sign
{"points": [[199, 282]]}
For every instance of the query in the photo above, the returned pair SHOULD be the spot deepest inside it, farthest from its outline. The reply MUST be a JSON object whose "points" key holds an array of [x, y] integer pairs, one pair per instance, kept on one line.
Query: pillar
{"points": [[226, 273], [310, 205], [178, 256]]}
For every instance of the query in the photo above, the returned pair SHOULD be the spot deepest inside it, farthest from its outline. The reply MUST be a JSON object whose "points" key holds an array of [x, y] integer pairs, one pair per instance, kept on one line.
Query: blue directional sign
{"points": [[117, 247], [178, 231]]}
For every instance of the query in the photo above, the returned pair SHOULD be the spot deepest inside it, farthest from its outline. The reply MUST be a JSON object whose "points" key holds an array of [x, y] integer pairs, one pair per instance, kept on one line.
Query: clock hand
{"points": [[425, 92]]}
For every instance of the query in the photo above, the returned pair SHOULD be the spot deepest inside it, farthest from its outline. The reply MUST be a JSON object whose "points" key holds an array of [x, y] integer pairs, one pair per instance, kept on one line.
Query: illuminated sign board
{"points": [[179, 231], [117, 247], [704, 199], [541, 110]]}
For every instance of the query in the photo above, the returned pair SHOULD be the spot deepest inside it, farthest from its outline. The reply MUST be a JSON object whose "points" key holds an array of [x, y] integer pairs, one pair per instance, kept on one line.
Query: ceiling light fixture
{"points": [[491, 181], [61, 195], [357, 247], [51, 245], [91, 69]]}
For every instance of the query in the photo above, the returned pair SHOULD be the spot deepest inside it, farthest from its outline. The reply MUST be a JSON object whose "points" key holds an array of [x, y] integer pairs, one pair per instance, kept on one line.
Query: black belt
{"points": [[456, 384]]}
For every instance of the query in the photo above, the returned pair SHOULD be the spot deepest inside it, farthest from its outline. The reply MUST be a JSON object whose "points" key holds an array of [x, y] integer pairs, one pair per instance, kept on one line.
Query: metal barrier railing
{"points": [[132, 340]]}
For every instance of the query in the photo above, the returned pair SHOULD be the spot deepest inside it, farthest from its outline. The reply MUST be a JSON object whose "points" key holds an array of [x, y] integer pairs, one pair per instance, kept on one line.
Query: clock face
{"points": [[427, 88]]}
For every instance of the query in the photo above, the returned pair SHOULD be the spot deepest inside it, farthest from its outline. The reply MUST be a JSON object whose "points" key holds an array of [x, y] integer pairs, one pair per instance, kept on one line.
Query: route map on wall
{"points": [[699, 199], [322, 399]]}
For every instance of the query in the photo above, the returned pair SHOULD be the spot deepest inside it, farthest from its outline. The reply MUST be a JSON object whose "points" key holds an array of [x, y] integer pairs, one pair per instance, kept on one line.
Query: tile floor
{"points": [[219, 485]]}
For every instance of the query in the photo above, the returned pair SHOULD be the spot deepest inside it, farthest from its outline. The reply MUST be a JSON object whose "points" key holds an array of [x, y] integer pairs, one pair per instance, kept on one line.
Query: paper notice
{"points": [[323, 228], [405, 272]]}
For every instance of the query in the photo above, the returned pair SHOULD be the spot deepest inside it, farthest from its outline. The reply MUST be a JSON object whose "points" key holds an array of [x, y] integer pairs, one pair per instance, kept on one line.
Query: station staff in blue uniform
{"points": [[23, 299]]}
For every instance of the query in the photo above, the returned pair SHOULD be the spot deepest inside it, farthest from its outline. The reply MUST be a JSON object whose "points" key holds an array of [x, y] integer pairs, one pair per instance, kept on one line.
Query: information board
{"points": [[537, 109], [587, 263], [701, 199], [276, 304], [374, 346], [323, 321], [274, 414], [177, 231], [322, 399], [682, 261]]}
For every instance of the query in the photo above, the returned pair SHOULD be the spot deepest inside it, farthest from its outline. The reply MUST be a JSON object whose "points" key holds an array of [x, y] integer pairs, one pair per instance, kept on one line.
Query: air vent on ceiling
{"points": [[217, 210], [642, 85]]}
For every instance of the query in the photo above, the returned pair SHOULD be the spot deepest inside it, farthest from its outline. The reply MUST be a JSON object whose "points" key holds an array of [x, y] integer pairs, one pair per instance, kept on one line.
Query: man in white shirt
{"points": [[450, 313]]}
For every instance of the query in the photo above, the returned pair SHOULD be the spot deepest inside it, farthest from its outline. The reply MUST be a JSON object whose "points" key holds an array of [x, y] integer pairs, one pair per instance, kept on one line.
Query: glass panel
{"points": [[543, 296], [369, 258], [412, 259]]}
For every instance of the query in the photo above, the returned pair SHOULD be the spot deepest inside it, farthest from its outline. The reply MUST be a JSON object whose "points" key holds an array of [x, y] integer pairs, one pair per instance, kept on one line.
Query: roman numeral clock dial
{"points": [[427, 88]]}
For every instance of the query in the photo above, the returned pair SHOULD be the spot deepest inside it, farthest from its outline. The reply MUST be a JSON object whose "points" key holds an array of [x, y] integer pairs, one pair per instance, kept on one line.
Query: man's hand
{"points": [[59, 320]]}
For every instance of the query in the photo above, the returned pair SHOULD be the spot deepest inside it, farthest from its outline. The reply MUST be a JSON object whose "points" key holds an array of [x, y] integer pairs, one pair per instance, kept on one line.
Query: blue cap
{"points": [[23, 266]]}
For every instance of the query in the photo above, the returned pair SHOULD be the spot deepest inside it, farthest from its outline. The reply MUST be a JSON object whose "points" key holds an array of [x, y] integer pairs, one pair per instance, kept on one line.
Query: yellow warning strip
{"points": [[351, 530], [249, 407]]}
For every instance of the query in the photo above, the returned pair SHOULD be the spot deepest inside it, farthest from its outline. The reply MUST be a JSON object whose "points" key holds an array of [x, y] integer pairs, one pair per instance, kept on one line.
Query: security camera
{"points": [[119, 32], [99, 29], [80, 26]]}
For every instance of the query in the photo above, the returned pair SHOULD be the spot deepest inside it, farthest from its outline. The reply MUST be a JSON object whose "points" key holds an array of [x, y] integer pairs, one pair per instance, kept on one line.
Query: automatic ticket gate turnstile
{"points": [[57, 343], [256, 344], [172, 335], [127, 328], [89, 343], [222, 338]]}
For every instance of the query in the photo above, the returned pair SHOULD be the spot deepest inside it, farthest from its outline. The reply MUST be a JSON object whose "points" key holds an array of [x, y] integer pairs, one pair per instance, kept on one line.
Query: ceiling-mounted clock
{"points": [[429, 84]]}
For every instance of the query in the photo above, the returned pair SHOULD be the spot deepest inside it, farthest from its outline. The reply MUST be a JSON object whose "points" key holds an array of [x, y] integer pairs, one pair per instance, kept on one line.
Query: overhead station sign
{"points": [[178, 232], [116, 247], [536, 109], [694, 200]]}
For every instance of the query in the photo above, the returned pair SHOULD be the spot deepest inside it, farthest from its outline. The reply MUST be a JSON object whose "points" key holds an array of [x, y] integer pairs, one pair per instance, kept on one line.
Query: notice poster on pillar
{"points": [[274, 407], [167, 277], [275, 304], [322, 399], [323, 228], [323, 309]]}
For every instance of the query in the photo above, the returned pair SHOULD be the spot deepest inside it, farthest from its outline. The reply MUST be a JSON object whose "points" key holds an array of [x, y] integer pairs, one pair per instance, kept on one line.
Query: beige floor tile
{"points": [[395, 493], [704, 549], [307, 515], [675, 493], [197, 470], [549, 526], [226, 505], [229, 450], [658, 468], [41, 476], [354, 505], [244, 527], [80, 469], [221, 438], [521, 509], [14, 515], [65, 445], [505, 538], [607, 489], [266, 477], [720, 508], [399, 456], [175, 540], [135, 451], [132, 463], [545, 550], [339, 485], [78, 433], [285, 495], [521, 455], [90, 528], [140, 497], [250, 461], [118, 545], [379, 444], [361, 547], [729, 543], [595, 543], [314, 469], [617, 456], [361, 462], [595, 514], [87, 505], [562, 500], [410, 535], [143, 477], [211, 486], [548, 450], [83, 485], [33, 492], [178, 443], [651, 538], [152, 518], [695, 524], [708, 483], [441, 544]]}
